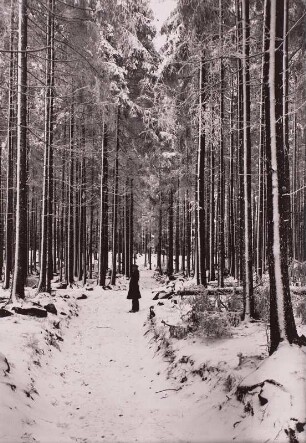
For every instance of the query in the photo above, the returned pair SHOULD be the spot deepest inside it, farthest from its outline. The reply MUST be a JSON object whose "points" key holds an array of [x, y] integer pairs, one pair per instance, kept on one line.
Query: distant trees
{"points": [[74, 65]]}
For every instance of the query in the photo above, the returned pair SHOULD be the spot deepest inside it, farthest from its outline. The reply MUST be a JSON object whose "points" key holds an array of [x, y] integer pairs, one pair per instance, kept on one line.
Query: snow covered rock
{"points": [[50, 307]]}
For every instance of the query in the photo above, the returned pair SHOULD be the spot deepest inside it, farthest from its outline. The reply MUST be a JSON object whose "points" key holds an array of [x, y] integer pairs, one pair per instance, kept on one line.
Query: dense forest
{"points": [[179, 148], [195, 152]]}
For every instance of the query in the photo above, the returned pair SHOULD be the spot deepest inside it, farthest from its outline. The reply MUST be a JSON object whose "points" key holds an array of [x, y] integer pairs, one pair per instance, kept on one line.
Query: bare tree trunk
{"points": [[248, 250], [127, 229], [261, 222], [170, 235], [91, 219], [115, 207], [131, 233], [188, 235], [177, 230], [76, 219], [51, 207], [8, 240], [212, 224], [285, 117], [183, 235], [231, 196], [83, 227], [46, 268], [240, 209], [70, 224], [201, 229], [103, 234], [221, 192], [282, 324], [159, 240], [21, 204], [304, 200]]}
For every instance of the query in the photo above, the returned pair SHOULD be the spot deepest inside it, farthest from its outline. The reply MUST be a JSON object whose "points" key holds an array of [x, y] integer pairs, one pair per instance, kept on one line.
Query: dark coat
{"points": [[134, 291]]}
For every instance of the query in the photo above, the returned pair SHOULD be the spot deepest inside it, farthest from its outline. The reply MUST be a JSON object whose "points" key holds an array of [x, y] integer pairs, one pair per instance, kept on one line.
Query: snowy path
{"points": [[105, 378]]}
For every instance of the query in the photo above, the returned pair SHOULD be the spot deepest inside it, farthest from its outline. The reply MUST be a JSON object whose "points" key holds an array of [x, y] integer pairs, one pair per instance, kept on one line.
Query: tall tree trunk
{"points": [[304, 200], [177, 230], [212, 223], [103, 234], [51, 193], [247, 161], [231, 196], [282, 324], [90, 227], [115, 206], [201, 229], [76, 219], [127, 229], [64, 202], [46, 266], [8, 237], [170, 235], [262, 160], [285, 117], [20, 269], [159, 239], [131, 233], [294, 189], [240, 209], [183, 235], [221, 192], [70, 225], [83, 223]]}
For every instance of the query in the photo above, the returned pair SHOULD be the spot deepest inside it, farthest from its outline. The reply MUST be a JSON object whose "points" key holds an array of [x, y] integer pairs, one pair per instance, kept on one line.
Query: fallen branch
{"points": [[169, 389]]}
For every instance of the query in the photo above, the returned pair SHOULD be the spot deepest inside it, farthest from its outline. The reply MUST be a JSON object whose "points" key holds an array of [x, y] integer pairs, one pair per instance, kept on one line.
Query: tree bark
{"points": [[115, 206], [8, 236], [221, 191], [103, 234], [282, 324], [46, 267], [201, 228], [248, 250], [21, 203], [177, 230], [170, 235], [70, 224]]}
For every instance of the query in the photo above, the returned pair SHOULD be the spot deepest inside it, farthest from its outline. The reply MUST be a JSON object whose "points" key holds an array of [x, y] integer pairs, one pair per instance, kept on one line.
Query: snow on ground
{"points": [[119, 377]]}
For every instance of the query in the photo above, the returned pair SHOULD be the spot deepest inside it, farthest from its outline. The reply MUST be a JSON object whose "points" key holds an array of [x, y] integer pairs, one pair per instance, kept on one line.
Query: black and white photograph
{"points": [[152, 221]]}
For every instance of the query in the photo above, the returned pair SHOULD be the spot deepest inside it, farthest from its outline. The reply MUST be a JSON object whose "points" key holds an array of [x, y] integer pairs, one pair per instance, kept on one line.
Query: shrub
{"points": [[262, 301], [235, 302], [301, 311], [199, 304], [214, 324]]}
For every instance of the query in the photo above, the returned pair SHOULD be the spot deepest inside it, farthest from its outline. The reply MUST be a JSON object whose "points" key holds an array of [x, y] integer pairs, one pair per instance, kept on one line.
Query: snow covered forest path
{"points": [[105, 380]]}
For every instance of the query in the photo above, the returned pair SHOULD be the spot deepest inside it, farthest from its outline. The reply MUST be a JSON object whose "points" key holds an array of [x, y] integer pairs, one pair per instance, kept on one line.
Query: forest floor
{"points": [[97, 373]]}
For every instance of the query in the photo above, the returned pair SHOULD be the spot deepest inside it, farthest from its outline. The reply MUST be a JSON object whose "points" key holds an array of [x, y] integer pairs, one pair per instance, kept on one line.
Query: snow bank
{"points": [[242, 393], [26, 345]]}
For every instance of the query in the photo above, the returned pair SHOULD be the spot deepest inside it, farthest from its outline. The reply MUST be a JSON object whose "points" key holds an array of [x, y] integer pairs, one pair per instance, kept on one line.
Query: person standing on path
{"points": [[134, 292]]}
